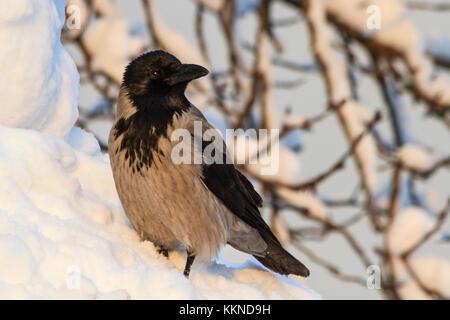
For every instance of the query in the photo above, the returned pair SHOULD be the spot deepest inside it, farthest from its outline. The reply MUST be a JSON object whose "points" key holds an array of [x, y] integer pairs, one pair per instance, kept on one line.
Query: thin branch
{"points": [[405, 256], [442, 163], [148, 13], [330, 267], [339, 164], [437, 226], [426, 5], [218, 90], [303, 124]]}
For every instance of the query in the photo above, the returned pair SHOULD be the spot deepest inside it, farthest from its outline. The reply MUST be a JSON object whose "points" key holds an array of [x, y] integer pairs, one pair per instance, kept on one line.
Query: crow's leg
{"points": [[189, 262], [163, 251]]}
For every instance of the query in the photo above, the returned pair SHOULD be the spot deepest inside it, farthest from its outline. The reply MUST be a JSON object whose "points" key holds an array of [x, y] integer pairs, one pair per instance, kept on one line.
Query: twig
{"points": [[425, 174], [148, 13], [339, 164], [405, 256], [304, 124], [437, 226], [426, 5], [218, 90], [329, 266]]}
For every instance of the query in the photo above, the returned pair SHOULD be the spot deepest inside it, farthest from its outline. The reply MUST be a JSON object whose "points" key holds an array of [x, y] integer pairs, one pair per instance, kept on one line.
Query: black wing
{"points": [[239, 196], [225, 182], [250, 189]]}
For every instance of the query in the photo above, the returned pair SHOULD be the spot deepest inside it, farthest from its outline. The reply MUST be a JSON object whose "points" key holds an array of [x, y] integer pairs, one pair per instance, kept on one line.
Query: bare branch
{"points": [[330, 267]]}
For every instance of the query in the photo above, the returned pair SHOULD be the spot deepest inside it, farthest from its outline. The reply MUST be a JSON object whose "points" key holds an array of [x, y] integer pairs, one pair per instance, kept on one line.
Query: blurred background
{"points": [[360, 91]]}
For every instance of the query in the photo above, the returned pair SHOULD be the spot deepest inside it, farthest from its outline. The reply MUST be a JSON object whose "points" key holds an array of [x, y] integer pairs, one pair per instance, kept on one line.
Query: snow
{"points": [[177, 45], [59, 210], [356, 12], [280, 230], [432, 270], [306, 199], [335, 70], [276, 163], [356, 116], [295, 120], [77, 15], [350, 113], [63, 233], [398, 36], [244, 147], [265, 69], [19, 255], [110, 43], [39, 86], [213, 5], [413, 157], [409, 226]]}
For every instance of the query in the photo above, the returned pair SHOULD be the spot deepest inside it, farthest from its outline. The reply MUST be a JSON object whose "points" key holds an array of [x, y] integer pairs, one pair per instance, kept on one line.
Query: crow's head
{"points": [[159, 73]]}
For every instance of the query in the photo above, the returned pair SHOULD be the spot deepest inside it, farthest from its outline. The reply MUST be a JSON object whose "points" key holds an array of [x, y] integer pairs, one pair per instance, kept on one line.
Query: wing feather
{"points": [[229, 185]]}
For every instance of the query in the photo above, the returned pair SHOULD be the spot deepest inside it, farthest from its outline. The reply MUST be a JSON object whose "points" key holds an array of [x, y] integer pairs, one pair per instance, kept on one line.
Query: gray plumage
{"points": [[159, 201], [173, 204]]}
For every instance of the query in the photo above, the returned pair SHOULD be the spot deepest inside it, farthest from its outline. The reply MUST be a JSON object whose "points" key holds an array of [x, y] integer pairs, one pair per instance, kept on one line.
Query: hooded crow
{"points": [[202, 206]]}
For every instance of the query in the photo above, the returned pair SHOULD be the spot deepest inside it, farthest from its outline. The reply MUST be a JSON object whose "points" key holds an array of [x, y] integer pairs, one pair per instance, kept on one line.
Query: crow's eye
{"points": [[154, 74]]}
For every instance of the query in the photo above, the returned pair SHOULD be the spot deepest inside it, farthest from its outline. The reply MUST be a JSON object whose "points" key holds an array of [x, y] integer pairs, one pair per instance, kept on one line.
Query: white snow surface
{"points": [[39, 86], [63, 233], [59, 212]]}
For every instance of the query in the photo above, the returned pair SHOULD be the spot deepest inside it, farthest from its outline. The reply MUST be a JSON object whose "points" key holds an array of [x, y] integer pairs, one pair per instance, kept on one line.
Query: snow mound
{"points": [[63, 234], [39, 86]]}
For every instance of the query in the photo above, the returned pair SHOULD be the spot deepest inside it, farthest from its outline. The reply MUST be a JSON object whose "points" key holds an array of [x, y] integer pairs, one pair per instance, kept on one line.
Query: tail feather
{"points": [[280, 261]]}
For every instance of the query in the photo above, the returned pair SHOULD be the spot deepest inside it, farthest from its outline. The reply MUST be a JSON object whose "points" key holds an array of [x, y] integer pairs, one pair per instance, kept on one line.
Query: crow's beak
{"points": [[186, 72]]}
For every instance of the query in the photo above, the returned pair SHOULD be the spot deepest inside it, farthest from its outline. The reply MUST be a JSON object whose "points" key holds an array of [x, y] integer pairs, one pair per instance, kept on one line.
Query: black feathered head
{"points": [[158, 72]]}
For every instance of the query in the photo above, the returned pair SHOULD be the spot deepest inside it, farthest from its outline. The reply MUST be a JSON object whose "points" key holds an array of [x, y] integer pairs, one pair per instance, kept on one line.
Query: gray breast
{"points": [[168, 203]]}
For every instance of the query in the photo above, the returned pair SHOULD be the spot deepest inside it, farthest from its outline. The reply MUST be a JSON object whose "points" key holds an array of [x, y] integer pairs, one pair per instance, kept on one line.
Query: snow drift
{"points": [[39, 85], [63, 233]]}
